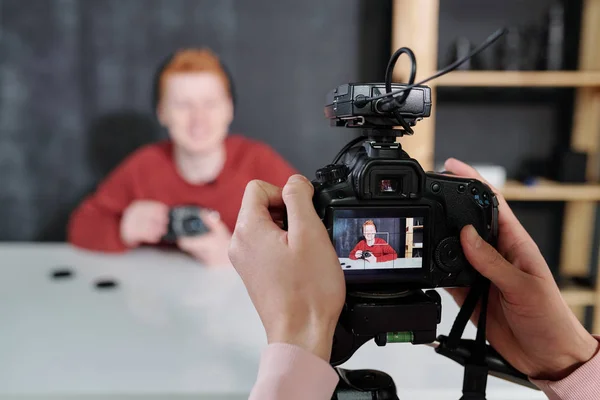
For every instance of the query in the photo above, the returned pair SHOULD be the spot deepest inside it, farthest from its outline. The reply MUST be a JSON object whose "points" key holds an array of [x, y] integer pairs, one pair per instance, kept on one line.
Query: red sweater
{"points": [[380, 249], [150, 174]]}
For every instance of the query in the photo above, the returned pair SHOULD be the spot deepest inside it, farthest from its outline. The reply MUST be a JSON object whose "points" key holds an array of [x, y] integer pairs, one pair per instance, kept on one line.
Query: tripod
{"points": [[478, 358]]}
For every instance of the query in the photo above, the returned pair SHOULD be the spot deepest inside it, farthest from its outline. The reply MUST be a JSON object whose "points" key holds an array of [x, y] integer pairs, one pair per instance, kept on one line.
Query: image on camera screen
{"points": [[378, 243]]}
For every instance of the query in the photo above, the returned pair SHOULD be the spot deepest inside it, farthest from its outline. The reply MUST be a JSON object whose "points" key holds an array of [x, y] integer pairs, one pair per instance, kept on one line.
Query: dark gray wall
{"points": [[75, 82]]}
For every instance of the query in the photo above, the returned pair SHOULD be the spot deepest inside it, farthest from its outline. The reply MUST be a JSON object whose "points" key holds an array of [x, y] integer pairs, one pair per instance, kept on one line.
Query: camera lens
{"points": [[192, 224]]}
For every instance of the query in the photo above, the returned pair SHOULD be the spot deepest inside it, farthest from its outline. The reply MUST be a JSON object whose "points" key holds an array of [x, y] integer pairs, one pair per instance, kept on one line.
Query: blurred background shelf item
{"points": [[578, 297], [536, 41], [545, 190], [520, 79]]}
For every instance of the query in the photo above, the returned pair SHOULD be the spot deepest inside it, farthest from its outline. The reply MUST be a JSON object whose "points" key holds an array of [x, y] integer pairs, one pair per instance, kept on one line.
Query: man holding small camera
{"points": [[200, 165], [528, 322], [372, 248]]}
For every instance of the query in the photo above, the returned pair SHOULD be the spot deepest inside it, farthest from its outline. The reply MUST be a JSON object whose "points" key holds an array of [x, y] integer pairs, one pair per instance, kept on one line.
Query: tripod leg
{"points": [[364, 384]]}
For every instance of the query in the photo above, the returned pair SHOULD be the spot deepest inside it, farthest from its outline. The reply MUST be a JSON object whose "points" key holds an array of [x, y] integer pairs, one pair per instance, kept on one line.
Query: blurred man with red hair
{"points": [[372, 248], [200, 165]]}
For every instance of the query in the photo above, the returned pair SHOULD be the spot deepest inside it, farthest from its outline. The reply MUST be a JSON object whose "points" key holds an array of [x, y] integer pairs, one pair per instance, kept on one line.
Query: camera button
{"points": [[461, 188], [413, 195], [449, 256], [486, 199], [435, 187], [474, 191]]}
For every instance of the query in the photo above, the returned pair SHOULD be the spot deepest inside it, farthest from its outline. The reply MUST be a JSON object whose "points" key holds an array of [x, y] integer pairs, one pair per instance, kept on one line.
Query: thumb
{"points": [[212, 220], [297, 195], [486, 259], [183, 243]]}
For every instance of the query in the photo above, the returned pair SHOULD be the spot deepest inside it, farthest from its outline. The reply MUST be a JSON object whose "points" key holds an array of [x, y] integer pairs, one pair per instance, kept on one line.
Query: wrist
{"points": [[125, 239], [583, 350], [128, 243], [314, 337]]}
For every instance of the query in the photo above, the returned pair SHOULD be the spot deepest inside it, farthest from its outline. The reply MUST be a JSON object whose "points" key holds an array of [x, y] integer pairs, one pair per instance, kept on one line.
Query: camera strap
{"points": [[476, 369]]}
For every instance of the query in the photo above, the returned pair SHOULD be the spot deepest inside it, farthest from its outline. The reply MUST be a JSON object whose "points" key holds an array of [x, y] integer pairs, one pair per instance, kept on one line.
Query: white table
{"points": [[398, 263], [170, 329]]}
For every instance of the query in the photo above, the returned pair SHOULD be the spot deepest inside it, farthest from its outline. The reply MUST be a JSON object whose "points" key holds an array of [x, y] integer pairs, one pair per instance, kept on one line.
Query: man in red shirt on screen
{"points": [[373, 249], [200, 165]]}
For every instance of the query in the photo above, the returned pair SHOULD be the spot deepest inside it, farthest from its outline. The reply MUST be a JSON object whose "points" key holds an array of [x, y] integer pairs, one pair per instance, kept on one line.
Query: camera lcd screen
{"points": [[373, 240]]}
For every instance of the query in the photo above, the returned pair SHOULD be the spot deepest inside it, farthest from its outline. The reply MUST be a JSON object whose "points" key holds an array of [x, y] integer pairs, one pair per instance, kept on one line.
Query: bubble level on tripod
{"points": [[400, 337]]}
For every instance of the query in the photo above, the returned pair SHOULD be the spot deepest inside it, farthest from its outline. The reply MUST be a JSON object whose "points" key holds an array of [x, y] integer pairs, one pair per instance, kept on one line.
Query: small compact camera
{"points": [[184, 221], [374, 197]]}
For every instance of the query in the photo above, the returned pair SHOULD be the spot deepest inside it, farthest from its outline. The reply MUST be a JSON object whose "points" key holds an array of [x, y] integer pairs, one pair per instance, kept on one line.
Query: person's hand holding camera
{"points": [[358, 254], [144, 221], [529, 323], [293, 278], [210, 248], [371, 258]]}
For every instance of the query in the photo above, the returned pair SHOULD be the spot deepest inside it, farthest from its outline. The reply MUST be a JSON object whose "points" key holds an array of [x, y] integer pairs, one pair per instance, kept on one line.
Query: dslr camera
{"points": [[184, 221], [374, 197]]}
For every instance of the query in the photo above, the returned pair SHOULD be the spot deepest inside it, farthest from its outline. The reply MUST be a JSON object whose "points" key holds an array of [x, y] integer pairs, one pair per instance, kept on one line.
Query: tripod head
{"points": [[410, 316]]}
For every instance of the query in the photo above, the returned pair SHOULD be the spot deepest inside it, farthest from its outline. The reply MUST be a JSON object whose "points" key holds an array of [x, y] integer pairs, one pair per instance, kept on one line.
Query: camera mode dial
{"points": [[332, 173]]}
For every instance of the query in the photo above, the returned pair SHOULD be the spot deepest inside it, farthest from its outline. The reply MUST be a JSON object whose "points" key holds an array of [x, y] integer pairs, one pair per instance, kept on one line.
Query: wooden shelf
{"points": [[578, 296], [416, 25], [551, 191], [519, 79]]}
